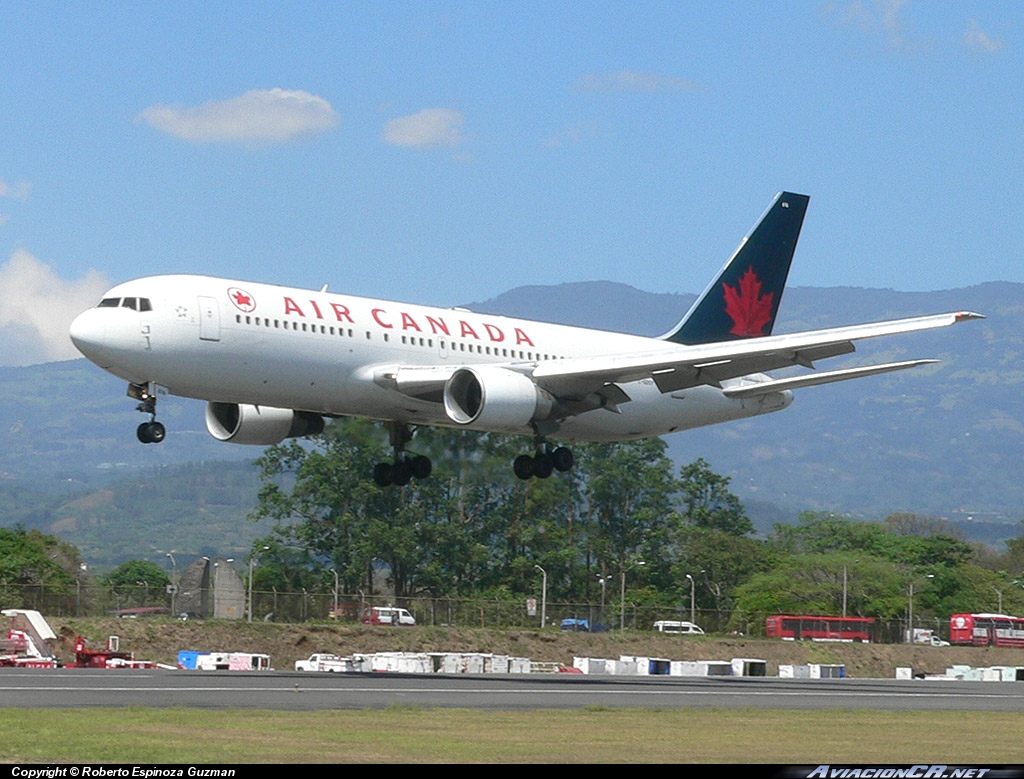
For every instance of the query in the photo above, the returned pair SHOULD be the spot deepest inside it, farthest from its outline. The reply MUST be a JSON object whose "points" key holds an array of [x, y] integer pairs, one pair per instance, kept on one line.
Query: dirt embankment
{"points": [[160, 640]]}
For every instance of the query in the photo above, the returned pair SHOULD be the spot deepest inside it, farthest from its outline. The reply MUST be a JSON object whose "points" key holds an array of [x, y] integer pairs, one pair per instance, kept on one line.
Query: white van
{"points": [[675, 626], [388, 615]]}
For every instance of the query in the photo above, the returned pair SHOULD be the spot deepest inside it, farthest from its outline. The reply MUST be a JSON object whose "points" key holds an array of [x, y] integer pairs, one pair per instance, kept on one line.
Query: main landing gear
{"points": [[544, 462], [151, 432], [406, 467]]}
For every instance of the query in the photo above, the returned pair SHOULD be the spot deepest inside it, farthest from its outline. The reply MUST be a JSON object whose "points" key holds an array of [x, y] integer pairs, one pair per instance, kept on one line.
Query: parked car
{"points": [[580, 625], [388, 615], [677, 626]]}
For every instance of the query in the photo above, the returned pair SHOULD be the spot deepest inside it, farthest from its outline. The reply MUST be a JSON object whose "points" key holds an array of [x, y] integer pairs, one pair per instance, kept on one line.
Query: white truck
{"points": [[323, 662]]}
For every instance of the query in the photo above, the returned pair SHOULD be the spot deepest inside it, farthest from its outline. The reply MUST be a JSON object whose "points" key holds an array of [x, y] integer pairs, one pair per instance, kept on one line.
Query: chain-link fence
{"points": [[499, 613]]}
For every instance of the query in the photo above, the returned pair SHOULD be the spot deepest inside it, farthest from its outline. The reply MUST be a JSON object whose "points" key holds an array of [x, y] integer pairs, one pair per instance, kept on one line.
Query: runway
{"points": [[290, 691]]}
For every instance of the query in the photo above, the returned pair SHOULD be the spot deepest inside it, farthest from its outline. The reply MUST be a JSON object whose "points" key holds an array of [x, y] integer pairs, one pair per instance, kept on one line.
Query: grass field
{"points": [[396, 735]]}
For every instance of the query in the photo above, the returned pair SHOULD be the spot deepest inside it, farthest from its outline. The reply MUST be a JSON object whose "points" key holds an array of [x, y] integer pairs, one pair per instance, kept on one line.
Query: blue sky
{"points": [[444, 152]]}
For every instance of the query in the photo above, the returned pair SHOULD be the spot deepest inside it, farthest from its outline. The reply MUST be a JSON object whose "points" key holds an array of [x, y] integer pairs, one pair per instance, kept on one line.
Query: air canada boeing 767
{"points": [[273, 362]]}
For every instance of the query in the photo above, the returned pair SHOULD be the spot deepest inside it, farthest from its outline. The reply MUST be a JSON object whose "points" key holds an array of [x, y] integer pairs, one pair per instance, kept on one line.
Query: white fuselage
{"points": [[247, 343]]}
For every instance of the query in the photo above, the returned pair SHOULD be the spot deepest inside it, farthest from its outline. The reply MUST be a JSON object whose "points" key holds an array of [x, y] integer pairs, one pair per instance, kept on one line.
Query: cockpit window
{"points": [[136, 304]]}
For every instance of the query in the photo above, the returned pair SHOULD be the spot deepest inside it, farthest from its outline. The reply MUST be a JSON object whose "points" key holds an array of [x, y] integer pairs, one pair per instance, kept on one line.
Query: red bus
{"points": [[812, 627], [986, 630]]}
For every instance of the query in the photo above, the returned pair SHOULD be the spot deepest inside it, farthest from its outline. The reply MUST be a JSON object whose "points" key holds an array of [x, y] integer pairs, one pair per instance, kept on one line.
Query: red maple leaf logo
{"points": [[751, 312], [243, 300]]}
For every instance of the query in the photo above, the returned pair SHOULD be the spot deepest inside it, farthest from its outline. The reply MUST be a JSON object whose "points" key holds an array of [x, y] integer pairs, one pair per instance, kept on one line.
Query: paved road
{"points": [[288, 691]]}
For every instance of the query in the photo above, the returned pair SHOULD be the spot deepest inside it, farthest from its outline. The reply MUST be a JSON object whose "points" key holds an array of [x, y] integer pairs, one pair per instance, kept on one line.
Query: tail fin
{"points": [[743, 300]]}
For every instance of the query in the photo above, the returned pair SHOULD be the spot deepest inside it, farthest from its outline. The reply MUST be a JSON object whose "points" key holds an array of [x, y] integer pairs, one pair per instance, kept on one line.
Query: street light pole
{"points": [[622, 594], [252, 564], [693, 611], [910, 611], [844, 591], [174, 581], [335, 592], [543, 597]]}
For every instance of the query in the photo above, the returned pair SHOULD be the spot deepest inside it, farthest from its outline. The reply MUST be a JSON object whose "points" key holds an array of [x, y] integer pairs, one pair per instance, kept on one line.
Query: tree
{"points": [[708, 503], [626, 494], [812, 583], [465, 528], [905, 523], [718, 562], [37, 564], [330, 503], [1013, 561], [137, 583], [824, 531]]}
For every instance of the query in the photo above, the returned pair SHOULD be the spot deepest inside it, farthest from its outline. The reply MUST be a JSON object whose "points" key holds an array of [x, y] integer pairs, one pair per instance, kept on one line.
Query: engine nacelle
{"points": [[496, 399], [240, 423]]}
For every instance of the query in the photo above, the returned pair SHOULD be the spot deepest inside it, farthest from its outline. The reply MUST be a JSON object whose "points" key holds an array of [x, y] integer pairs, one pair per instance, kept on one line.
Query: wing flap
{"points": [[816, 379]]}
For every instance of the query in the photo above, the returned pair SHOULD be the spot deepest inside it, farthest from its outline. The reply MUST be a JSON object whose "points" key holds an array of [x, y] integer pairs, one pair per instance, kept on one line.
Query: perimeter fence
{"points": [[499, 613]]}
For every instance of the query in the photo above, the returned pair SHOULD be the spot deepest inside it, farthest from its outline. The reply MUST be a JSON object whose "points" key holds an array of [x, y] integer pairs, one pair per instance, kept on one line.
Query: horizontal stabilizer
{"points": [[814, 379]]}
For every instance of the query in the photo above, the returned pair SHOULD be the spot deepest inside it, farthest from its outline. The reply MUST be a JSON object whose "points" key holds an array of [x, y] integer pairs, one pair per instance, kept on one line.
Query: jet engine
{"points": [[240, 423], [492, 398]]}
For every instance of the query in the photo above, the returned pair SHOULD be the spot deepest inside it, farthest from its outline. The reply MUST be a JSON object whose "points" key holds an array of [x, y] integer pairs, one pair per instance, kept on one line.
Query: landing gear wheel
{"points": [[562, 459], [401, 473], [382, 475], [523, 466], [421, 466], [543, 465], [151, 432]]}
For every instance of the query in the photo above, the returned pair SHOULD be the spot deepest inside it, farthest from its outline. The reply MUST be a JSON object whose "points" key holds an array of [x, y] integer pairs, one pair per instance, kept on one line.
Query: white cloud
{"points": [[570, 134], [17, 191], [880, 16], [977, 38], [36, 309], [634, 81], [260, 115], [428, 129]]}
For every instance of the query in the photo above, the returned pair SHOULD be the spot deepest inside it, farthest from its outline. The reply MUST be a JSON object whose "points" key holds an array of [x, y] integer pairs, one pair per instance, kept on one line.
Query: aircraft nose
{"points": [[87, 333]]}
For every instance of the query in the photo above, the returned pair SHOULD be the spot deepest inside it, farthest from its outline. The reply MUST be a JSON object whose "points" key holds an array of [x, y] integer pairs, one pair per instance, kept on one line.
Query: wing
{"points": [[581, 384], [690, 366]]}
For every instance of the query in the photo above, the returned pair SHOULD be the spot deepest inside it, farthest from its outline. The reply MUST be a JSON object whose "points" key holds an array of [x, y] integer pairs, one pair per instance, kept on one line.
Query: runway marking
{"points": [[589, 691]]}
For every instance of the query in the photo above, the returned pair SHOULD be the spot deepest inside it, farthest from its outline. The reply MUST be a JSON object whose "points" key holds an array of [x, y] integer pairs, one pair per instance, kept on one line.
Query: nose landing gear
{"points": [[151, 432]]}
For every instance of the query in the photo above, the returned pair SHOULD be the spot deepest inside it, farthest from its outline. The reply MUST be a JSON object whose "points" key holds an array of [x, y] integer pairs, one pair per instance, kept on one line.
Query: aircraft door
{"points": [[442, 348], [209, 319]]}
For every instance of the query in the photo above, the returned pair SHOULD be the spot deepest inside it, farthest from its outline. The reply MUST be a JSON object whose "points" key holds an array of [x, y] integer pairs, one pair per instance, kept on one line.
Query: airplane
{"points": [[273, 362]]}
